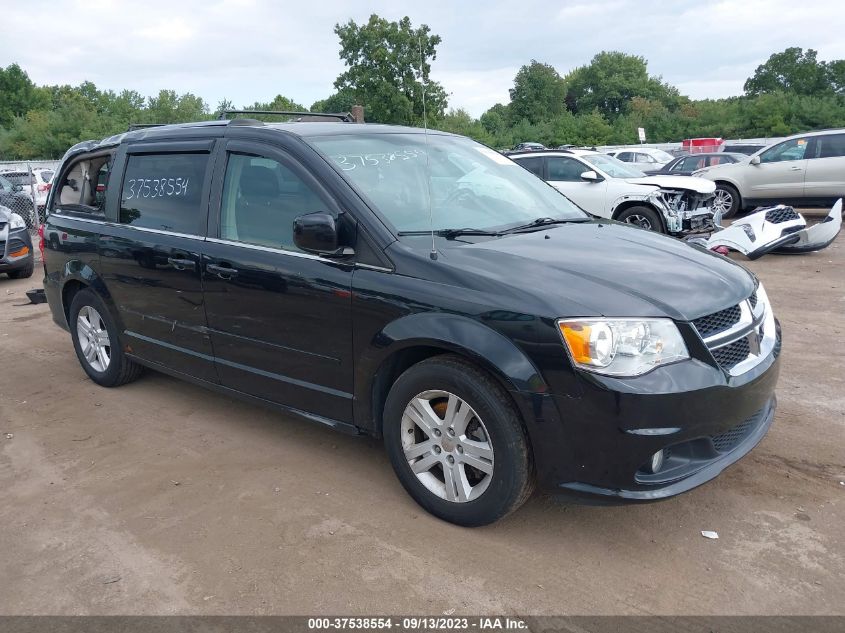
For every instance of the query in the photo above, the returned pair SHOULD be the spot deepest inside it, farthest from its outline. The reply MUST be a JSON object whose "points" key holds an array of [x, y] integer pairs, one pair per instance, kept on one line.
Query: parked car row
{"points": [[801, 170], [606, 187]]}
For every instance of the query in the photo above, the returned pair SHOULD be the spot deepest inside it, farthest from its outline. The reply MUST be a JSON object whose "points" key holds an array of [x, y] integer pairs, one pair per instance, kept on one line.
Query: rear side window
{"points": [[534, 165], [831, 146], [164, 192]]}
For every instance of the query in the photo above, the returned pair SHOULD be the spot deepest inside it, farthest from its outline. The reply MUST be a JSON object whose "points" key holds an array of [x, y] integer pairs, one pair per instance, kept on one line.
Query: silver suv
{"points": [[802, 170]]}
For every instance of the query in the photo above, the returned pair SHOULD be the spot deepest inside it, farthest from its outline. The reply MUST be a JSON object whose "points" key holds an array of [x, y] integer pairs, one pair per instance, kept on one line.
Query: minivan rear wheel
{"points": [[456, 442], [95, 339]]}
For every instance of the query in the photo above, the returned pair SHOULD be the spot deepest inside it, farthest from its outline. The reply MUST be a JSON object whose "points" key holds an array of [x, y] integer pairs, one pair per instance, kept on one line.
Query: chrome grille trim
{"points": [[757, 325]]}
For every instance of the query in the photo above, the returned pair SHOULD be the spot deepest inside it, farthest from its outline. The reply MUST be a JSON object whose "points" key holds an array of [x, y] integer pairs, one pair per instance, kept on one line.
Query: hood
{"points": [[5, 213], [604, 269], [690, 183]]}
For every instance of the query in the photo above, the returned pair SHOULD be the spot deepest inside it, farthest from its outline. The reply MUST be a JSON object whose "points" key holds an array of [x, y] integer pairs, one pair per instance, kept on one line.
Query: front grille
{"points": [[732, 353], [781, 214], [730, 439], [2, 249], [717, 322], [753, 299]]}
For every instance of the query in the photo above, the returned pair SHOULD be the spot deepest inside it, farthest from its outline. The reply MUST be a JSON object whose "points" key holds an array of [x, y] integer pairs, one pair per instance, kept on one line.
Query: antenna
{"points": [[433, 253]]}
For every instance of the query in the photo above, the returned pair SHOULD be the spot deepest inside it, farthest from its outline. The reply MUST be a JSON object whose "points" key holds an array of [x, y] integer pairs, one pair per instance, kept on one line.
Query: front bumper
{"points": [[15, 250], [594, 447]]}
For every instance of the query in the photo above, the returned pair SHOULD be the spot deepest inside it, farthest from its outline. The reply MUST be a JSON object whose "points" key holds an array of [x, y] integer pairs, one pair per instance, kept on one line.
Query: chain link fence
{"points": [[24, 187]]}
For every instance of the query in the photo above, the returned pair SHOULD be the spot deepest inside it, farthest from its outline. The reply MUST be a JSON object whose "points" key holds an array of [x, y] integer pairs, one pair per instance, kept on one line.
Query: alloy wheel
{"points": [[447, 446], [93, 338], [723, 201]]}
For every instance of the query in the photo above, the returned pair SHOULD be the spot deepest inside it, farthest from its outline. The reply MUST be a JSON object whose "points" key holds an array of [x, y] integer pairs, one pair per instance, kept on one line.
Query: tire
{"points": [[727, 198], [492, 428], [643, 217], [23, 273], [119, 369]]}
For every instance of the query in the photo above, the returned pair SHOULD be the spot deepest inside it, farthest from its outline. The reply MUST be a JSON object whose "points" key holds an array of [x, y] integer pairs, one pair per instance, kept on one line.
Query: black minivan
{"points": [[418, 287]]}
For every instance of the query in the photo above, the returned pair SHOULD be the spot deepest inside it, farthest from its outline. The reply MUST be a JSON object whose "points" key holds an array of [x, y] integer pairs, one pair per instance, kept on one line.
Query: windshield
{"points": [[470, 185], [611, 166]]}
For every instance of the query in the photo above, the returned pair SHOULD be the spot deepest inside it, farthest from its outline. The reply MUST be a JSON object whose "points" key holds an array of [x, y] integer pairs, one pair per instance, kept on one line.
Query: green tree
{"points": [[339, 102], [611, 80], [388, 66], [792, 71], [538, 93], [17, 94]]}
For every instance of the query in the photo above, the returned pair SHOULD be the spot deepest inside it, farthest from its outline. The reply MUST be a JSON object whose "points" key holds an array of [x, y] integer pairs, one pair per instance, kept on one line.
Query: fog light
{"points": [[656, 462]]}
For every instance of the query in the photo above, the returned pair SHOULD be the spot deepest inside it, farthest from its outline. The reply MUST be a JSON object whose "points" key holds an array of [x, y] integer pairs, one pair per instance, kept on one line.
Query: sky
{"points": [[252, 50]]}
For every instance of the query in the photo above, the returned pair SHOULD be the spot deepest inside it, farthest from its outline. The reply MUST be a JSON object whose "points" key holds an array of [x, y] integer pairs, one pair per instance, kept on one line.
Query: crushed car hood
{"points": [[606, 269], [699, 185]]}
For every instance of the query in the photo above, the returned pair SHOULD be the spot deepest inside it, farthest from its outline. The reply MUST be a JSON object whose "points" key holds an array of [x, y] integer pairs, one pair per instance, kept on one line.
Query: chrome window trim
{"points": [[215, 240], [269, 249]]}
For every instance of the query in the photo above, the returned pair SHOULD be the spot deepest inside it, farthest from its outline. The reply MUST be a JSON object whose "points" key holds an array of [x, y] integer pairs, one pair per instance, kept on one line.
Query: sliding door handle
{"points": [[181, 264], [224, 272]]}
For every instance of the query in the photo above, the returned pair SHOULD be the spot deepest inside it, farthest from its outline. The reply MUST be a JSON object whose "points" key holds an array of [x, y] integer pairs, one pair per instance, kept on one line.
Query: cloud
{"points": [[248, 50]]}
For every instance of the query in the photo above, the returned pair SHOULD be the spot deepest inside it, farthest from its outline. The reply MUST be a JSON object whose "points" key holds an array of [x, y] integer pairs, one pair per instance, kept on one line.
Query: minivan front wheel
{"points": [[95, 340], [456, 442]]}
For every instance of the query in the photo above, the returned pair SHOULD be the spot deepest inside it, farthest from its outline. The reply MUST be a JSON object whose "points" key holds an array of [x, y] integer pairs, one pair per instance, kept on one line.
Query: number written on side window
{"points": [[156, 187], [163, 192]]}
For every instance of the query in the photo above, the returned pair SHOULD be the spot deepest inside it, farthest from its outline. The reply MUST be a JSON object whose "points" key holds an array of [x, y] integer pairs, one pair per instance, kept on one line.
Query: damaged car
{"points": [[777, 229], [606, 187]]}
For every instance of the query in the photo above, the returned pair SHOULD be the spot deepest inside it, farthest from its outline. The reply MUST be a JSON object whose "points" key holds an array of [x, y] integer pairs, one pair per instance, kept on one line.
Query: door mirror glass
{"points": [[590, 176], [755, 160], [318, 233]]}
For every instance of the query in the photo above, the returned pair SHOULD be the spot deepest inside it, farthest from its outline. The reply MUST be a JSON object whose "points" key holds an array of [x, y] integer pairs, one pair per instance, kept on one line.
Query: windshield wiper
{"points": [[450, 233], [544, 222]]}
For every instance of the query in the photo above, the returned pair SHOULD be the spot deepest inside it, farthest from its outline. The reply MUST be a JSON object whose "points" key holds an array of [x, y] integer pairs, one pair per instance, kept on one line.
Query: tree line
{"points": [[387, 68]]}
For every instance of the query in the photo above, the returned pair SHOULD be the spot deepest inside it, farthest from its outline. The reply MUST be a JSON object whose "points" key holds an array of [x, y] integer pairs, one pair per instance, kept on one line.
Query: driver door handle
{"points": [[224, 272], [795, 168]]}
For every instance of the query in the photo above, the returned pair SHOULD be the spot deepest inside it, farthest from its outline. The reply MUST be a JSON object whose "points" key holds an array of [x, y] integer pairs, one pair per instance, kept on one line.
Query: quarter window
{"points": [[788, 150], [261, 199], [566, 169], [164, 192]]}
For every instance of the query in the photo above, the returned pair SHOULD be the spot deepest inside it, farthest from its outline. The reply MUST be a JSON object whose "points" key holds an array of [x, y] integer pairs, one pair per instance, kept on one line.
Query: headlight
{"points": [[622, 347], [16, 222]]}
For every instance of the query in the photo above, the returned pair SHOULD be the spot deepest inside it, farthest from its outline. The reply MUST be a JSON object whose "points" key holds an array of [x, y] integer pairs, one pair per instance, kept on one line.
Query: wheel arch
{"points": [[732, 184], [414, 338], [77, 276], [644, 202]]}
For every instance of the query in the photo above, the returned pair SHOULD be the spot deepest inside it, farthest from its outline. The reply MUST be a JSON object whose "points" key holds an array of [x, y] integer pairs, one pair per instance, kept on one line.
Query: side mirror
{"points": [[318, 233], [17, 188], [591, 176], [755, 160]]}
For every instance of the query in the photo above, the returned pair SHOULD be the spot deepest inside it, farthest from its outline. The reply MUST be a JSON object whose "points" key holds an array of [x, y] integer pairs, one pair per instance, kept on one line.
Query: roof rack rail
{"points": [[141, 126], [346, 117]]}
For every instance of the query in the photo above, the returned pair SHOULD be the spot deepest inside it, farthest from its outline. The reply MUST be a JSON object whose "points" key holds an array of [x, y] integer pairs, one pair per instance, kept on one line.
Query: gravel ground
{"points": [[160, 497]]}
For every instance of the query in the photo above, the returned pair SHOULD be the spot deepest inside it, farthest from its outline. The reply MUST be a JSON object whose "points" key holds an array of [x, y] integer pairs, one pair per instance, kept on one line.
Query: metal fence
{"points": [[24, 186]]}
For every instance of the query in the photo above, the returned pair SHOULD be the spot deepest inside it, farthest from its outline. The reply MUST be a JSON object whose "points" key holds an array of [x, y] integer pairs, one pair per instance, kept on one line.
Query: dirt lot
{"points": [[160, 497]]}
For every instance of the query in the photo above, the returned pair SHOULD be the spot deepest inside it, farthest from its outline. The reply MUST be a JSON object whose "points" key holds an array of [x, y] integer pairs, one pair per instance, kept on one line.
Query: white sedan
{"points": [[609, 188]]}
